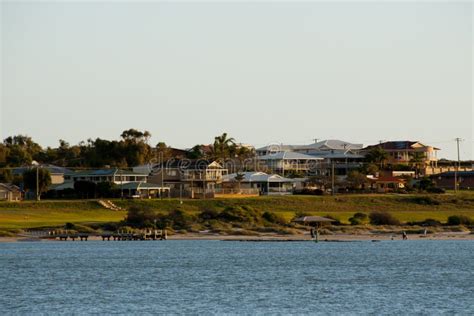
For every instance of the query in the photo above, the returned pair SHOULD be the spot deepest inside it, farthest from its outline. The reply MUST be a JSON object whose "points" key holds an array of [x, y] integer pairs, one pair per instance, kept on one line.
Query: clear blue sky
{"points": [[268, 72]]}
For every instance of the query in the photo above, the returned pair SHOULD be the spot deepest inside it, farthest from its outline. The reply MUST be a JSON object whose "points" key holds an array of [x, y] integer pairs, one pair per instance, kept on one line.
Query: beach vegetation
{"points": [[383, 218]]}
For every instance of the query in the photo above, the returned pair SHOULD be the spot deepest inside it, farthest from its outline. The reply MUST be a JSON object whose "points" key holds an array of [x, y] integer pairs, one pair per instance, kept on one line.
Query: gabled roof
{"points": [[277, 148], [106, 172], [9, 187], [332, 144], [335, 155], [329, 144], [256, 177], [288, 155], [188, 164]]}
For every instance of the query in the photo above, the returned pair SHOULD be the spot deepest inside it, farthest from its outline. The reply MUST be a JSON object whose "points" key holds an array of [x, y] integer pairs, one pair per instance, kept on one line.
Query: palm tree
{"points": [[417, 159], [223, 146], [377, 155]]}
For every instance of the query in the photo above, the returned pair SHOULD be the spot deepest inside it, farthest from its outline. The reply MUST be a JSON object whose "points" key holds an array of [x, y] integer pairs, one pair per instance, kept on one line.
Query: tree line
{"points": [[132, 149]]}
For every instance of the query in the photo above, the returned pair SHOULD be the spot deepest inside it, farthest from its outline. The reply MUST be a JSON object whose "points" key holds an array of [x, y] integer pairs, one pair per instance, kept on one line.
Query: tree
{"points": [[417, 160], [223, 146], [377, 155], [21, 150], [85, 189], [6, 175], [371, 169], [195, 152], [356, 179], [37, 175], [105, 189], [135, 136], [239, 178]]}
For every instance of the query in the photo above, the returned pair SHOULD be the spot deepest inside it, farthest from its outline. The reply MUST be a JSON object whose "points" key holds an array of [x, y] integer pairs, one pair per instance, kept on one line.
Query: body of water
{"points": [[223, 277]]}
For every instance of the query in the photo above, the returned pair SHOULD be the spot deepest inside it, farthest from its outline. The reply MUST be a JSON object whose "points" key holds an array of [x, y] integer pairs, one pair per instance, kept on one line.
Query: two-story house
{"points": [[185, 177]]}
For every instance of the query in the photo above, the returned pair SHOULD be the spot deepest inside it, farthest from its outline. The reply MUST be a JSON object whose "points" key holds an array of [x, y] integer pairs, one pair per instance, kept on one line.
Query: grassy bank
{"points": [[406, 208]]}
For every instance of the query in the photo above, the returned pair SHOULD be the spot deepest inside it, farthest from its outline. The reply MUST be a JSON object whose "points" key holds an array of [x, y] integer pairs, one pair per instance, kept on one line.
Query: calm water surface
{"points": [[217, 277]]}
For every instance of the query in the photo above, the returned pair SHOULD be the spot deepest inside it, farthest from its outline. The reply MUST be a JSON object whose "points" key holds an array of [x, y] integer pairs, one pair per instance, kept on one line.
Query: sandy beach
{"points": [[282, 238]]}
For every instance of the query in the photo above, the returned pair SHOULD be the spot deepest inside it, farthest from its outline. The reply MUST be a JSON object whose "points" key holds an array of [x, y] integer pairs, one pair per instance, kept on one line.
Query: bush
{"points": [[140, 216], [240, 214], [426, 222], [457, 220], [69, 226], [358, 219], [178, 220], [309, 192], [435, 190], [273, 218], [208, 215], [425, 200], [383, 218]]}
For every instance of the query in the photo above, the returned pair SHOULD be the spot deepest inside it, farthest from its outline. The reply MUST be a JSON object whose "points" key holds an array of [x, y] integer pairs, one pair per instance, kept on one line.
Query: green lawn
{"points": [[31, 214]]}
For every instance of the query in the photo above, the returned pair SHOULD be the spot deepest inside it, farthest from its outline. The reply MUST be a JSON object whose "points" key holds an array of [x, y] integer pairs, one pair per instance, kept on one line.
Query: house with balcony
{"points": [[403, 152], [332, 153], [115, 175], [256, 183], [289, 162], [190, 178], [129, 183]]}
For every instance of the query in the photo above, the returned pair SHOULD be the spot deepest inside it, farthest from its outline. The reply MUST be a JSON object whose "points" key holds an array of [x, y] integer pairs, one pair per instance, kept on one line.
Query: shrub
{"points": [[430, 222], [140, 216], [358, 219], [456, 220], [306, 191], [239, 214], [273, 218], [425, 200], [383, 218], [69, 226], [435, 190], [209, 214], [178, 220]]}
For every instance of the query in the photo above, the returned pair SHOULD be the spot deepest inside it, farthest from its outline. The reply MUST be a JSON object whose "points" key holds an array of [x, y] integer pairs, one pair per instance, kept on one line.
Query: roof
{"points": [[329, 144], [332, 144], [106, 172], [51, 168], [9, 187], [136, 185], [256, 177], [62, 186], [313, 219], [388, 179], [398, 145], [191, 164], [277, 148], [451, 174], [335, 155], [288, 155]]}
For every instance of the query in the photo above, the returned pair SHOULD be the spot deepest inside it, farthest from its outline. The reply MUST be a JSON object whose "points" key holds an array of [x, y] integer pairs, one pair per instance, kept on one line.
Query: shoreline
{"points": [[279, 238]]}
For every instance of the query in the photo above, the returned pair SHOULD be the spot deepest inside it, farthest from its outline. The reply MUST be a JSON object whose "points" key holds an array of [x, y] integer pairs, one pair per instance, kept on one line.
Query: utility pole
{"points": [[456, 169], [162, 174], [332, 178], [121, 184]]}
